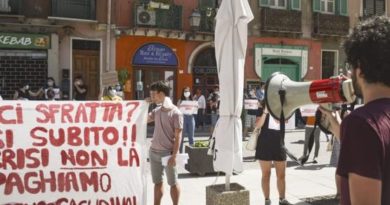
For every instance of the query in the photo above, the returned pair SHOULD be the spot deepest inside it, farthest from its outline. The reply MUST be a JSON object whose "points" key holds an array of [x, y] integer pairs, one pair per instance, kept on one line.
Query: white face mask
{"points": [[26, 87], [187, 94], [50, 83], [112, 92]]}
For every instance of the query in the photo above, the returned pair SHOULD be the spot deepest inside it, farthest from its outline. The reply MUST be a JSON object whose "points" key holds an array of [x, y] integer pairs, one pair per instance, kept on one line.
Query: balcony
{"points": [[77, 9], [11, 7], [169, 17], [330, 25], [280, 20], [207, 21]]}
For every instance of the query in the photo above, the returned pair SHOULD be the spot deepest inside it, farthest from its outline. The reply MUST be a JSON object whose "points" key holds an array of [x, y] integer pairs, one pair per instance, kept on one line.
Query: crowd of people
{"points": [[50, 91], [361, 138], [361, 148]]}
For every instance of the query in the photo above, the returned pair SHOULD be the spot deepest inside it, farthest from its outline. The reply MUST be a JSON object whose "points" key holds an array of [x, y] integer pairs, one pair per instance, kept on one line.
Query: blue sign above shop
{"points": [[155, 54]]}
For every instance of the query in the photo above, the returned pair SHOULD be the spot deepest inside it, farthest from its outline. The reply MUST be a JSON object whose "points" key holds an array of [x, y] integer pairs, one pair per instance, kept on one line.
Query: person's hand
{"points": [[334, 120], [172, 161], [148, 100]]}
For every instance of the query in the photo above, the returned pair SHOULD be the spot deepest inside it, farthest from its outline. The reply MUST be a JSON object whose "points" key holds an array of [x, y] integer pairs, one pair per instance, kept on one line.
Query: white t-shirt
{"points": [[202, 102]]}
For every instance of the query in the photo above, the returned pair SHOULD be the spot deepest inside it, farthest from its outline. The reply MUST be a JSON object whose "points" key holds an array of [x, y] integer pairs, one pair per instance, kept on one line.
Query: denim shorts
{"points": [[158, 169]]}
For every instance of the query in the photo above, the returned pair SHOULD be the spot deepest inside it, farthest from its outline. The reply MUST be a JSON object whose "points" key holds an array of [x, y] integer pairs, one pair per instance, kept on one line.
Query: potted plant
{"points": [[123, 78], [199, 162]]}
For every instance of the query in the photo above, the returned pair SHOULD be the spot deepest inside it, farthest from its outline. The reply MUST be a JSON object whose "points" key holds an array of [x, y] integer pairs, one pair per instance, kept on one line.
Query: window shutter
{"points": [[337, 7], [343, 7], [380, 7], [317, 5], [264, 2], [296, 4]]}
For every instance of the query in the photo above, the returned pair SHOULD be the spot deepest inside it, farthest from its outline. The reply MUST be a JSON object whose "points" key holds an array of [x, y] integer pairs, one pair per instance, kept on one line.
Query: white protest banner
{"points": [[308, 110], [188, 107], [275, 124], [73, 152], [250, 104]]}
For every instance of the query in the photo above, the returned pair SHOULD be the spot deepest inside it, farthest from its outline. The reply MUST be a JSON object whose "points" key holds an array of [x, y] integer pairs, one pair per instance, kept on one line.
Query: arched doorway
{"points": [[153, 62], [205, 75], [286, 66]]}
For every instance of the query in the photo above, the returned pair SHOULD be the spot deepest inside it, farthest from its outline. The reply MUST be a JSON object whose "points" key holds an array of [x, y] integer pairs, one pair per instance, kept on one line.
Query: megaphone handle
{"points": [[282, 95]]}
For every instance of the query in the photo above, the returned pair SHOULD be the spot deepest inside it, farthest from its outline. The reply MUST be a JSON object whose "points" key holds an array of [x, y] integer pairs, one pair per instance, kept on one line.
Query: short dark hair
{"points": [[160, 86], [368, 48]]}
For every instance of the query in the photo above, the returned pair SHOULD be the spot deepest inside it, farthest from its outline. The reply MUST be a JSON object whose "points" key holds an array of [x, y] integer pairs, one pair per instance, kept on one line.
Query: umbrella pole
{"points": [[227, 182]]}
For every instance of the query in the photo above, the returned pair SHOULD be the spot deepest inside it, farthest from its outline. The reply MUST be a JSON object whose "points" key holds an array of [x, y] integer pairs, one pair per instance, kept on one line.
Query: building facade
{"points": [[60, 39], [300, 38], [155, 41]]}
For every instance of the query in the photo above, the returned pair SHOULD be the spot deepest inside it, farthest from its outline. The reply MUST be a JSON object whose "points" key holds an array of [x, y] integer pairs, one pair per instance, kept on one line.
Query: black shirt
{"points": [[81, 96]]}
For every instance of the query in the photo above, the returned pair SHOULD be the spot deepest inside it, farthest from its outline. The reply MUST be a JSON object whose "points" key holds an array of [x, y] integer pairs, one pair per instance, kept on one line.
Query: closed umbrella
{"points": [[230, 48]]}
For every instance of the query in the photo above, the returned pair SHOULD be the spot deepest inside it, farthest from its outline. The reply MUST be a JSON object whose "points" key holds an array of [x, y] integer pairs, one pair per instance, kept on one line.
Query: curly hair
{"points": [[160, 86], [368, 48]]}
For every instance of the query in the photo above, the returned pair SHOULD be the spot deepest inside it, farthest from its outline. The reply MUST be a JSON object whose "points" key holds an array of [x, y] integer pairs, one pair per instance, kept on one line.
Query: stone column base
{"points": [[216, 195]]}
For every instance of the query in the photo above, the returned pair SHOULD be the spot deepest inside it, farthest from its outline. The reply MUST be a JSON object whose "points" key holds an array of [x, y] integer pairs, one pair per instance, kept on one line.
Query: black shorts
{"points": [[269, 147]]}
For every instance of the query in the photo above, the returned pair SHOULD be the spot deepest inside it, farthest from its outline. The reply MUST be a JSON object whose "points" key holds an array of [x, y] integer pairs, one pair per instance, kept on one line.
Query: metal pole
{"points": [[108, 35], [227, 182]]}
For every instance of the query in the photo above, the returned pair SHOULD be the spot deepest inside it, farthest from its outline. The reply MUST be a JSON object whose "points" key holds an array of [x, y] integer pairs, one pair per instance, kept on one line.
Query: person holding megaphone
{"points": [[363, 166]]}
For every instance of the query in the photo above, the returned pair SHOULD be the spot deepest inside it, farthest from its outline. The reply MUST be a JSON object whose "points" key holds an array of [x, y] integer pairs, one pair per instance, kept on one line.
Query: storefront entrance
{"points": [[205, 72], [86, 64], [151, 63], [144, 77], [282, 65]]}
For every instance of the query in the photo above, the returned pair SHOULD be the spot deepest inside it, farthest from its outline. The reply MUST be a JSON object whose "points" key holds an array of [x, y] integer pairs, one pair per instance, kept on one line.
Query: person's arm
{"points": [[150, 114], [35, 94], [16, 95], [80, 90], [150, 117], [176, 145], [334, 121], [261, 119], [364, 190]]}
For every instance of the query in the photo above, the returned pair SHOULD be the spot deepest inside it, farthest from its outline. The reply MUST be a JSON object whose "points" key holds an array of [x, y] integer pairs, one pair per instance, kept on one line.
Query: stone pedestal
{"points": [[198, 161], [216, 195]]}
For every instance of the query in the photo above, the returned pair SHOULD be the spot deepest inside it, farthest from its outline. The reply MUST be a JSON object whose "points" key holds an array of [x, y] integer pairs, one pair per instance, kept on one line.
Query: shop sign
{"points": [[24, 41], [155, 54], [205, 70]]}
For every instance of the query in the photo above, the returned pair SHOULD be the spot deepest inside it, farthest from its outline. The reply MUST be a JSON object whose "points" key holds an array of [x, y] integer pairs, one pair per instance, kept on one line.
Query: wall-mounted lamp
{"points": [[117, 32], [194, 23]]}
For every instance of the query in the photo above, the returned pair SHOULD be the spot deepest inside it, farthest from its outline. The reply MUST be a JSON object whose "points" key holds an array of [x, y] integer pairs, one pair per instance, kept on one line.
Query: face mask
{"points": [[216, 92], [112, 92], [187, 94], [27, 87], [50, 83]]}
